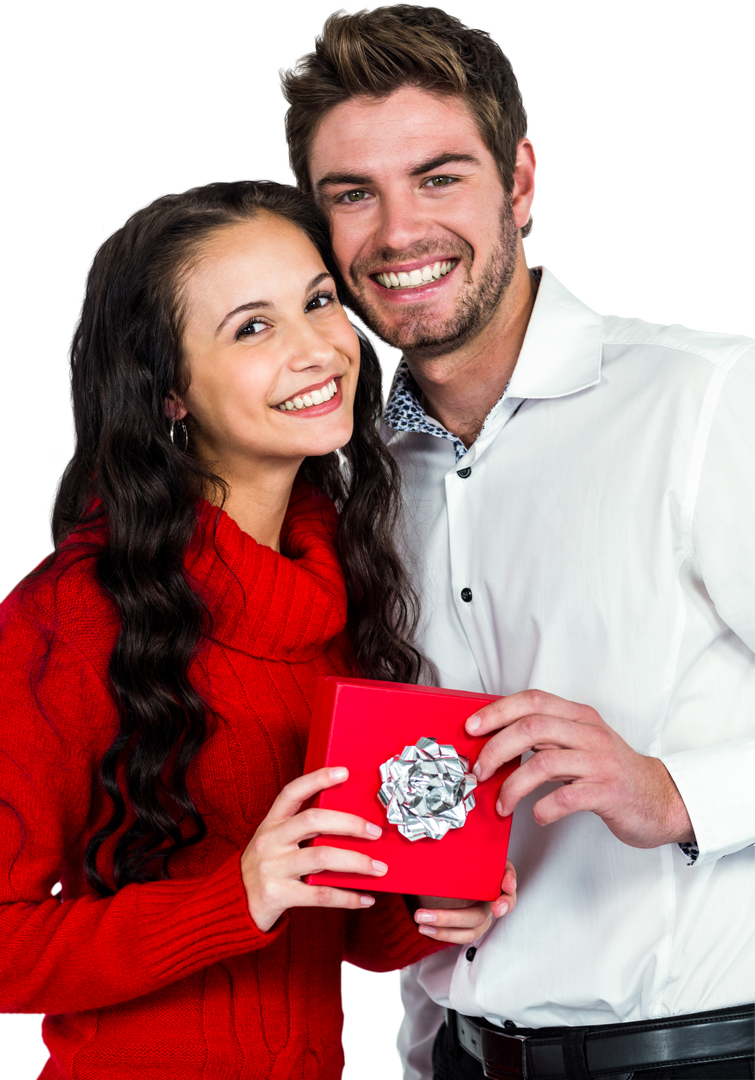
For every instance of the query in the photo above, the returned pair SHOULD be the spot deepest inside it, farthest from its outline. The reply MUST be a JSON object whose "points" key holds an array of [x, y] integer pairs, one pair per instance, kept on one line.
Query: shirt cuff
{"points": [[715, 783]]}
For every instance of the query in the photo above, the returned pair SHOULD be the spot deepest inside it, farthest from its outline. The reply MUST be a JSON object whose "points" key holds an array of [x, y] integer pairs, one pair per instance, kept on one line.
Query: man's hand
{"points": [[463, 921], [633, 794]]}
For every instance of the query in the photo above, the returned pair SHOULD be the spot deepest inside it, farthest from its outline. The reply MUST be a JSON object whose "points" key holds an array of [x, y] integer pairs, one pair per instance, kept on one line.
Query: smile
{"points": [[411, 279], [310, 397]]}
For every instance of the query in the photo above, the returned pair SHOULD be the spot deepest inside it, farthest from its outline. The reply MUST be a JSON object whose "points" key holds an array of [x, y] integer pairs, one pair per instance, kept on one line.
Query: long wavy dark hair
{"points": [[126, 472]]}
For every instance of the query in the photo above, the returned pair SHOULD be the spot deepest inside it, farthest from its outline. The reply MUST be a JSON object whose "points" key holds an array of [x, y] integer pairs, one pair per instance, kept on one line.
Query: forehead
{"points": [[251, 243], [366, 135], [265, 258], [266, 250]]}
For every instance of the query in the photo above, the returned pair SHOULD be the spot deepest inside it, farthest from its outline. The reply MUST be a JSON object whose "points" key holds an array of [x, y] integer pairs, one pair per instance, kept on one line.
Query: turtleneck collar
{"points": [[285, 606]]}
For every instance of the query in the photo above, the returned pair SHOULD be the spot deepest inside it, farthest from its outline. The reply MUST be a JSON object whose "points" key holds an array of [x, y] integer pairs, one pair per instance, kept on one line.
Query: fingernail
{"points": [[426, 916], [373, 830], [477, 770], [503, 909], [499, 808], [339, 774], [473, 724], [368, 901], [379, 867], [429, 930]]}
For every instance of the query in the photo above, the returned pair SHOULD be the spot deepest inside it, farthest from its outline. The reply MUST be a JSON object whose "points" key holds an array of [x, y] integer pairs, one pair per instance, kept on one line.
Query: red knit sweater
{"points": [[173, 980]]}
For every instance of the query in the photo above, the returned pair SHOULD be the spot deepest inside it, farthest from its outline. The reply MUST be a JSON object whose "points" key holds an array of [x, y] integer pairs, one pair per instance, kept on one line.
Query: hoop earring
{"points": [[181, 425]]}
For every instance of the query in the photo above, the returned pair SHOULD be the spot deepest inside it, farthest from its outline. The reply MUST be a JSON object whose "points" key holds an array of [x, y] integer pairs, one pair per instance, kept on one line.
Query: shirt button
{"points": [[471, 952], [464, 473], [466, 595]]}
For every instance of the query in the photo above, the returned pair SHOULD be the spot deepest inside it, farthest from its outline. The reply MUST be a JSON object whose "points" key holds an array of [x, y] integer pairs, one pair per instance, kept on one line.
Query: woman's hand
{"points": [[463, 921], [273, 863]]}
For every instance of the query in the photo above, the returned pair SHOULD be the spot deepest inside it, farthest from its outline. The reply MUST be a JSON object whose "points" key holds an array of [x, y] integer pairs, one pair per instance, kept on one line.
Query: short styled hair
{"points": [[373, 53]]}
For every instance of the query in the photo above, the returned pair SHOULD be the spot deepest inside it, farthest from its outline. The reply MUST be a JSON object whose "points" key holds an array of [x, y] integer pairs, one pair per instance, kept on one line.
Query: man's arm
{"points": [[702, 794], [635, 795]]}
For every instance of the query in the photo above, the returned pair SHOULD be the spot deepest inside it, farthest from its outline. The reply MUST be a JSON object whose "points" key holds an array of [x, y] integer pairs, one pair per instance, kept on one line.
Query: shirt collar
{"points": [[561, 354], [563, 347]]}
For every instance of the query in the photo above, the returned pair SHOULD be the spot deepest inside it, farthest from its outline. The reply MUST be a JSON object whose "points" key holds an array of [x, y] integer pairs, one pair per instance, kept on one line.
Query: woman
{"points": [[157, 671]]}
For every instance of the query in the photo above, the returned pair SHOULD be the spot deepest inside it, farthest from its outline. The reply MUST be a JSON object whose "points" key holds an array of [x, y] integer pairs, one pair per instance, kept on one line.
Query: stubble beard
{"points": [[424, 337]]}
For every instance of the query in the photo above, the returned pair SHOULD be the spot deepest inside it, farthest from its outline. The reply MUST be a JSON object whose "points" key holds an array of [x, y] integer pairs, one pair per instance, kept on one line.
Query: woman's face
{"points": [[272, 359]]}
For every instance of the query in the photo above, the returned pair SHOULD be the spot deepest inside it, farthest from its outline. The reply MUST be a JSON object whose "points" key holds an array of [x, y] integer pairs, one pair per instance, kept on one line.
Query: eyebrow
{"points": [[359, 180], [255, 304]]}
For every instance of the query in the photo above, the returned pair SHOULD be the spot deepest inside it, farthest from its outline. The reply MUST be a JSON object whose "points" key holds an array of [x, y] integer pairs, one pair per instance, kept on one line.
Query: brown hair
{"points": [[373, 53]]}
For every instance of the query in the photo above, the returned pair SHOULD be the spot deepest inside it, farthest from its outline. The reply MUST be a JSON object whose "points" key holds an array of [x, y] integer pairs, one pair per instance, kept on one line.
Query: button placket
{"points": [[458, 496]]}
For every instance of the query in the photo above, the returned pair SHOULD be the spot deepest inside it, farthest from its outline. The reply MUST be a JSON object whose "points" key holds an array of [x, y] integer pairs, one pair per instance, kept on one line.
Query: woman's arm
{"points": [[87, 952], [385, 937], [69, 955]]}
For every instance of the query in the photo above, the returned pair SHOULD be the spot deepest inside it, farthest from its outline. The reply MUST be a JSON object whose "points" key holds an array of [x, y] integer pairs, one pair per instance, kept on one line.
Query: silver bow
{"points": [[427, 790]]}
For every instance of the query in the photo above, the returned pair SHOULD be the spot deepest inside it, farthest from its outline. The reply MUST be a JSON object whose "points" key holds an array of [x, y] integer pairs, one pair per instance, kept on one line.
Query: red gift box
{"points": [[360, 723]]}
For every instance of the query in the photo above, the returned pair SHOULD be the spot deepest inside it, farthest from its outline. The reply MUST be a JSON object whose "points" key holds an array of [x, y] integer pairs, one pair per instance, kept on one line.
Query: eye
{"points": [[251, 328], [320, 300], [356, 196], [440, 181]]}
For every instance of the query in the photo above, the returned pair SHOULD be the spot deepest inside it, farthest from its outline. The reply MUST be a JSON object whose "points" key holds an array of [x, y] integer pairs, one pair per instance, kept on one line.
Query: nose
{"points": [[402, 222], [307, 348]]}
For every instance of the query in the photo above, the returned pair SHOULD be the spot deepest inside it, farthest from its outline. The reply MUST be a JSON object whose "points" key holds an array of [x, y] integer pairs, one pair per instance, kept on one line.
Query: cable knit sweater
{"points": [[172, 979]]}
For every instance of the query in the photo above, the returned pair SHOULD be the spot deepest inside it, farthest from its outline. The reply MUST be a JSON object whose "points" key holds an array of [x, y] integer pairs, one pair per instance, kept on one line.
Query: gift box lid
{"points": [[360, 724]]}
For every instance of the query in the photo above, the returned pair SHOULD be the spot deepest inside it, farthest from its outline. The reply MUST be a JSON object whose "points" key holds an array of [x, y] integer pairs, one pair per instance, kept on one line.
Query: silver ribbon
{"points": [[427, 789]]}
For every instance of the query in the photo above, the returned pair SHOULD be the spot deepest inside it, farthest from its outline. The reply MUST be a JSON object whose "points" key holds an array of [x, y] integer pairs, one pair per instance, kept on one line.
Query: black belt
{"points": [[606, 1050]]}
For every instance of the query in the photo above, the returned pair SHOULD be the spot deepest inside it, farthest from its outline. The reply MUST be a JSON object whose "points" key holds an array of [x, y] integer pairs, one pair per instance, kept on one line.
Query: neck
{"points": [[258, 503], [462, 386]]}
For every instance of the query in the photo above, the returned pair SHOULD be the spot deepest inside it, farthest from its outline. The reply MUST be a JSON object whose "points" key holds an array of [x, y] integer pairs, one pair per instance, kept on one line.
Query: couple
{"points": [[575, 500]]}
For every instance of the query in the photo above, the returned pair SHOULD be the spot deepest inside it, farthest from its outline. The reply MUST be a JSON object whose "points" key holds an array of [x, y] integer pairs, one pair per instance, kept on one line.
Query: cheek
{"points": [[352, 348], [342, 336], [219, 405], [348, 236]]}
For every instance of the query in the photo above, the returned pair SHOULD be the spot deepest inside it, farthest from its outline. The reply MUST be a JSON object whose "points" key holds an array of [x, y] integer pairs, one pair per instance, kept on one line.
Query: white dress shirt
{"points": [[606, 531]]}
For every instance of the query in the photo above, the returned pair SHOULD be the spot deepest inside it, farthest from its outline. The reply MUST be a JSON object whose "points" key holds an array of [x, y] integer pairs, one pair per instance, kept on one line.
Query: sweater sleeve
{"points": [[83, 953], [385, 937]]}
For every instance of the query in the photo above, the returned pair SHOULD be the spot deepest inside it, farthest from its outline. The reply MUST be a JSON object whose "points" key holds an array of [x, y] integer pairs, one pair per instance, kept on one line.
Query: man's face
{"points": [[422, 228]]}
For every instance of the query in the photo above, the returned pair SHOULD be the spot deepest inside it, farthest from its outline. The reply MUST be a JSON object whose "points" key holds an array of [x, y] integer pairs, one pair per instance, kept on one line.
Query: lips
{"points": [[305, 399], [412, 279]]}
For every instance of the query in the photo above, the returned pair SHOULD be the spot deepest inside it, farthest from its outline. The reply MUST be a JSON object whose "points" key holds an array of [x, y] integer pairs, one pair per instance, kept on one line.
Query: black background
{"points": [[645, 206]]}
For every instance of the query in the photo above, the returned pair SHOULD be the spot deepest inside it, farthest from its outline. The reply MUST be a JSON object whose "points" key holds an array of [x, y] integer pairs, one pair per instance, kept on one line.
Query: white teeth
{"points": [[420, 276], [314, 397]]}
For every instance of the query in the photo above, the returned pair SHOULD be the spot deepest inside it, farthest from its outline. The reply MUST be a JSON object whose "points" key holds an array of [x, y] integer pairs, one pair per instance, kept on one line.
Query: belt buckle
{"points": [[504, 1056]]}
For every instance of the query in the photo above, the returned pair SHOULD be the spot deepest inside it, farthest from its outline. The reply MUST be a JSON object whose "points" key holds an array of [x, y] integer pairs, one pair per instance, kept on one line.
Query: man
{"points": [[579, 496]]}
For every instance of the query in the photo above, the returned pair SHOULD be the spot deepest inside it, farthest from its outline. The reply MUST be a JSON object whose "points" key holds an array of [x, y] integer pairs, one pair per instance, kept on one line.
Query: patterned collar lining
{"points": [[404, 412]]}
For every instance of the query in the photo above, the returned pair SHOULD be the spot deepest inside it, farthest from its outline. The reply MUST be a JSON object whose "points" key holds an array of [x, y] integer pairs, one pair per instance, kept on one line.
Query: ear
{"points": [[174, 408], [524, 183]]}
